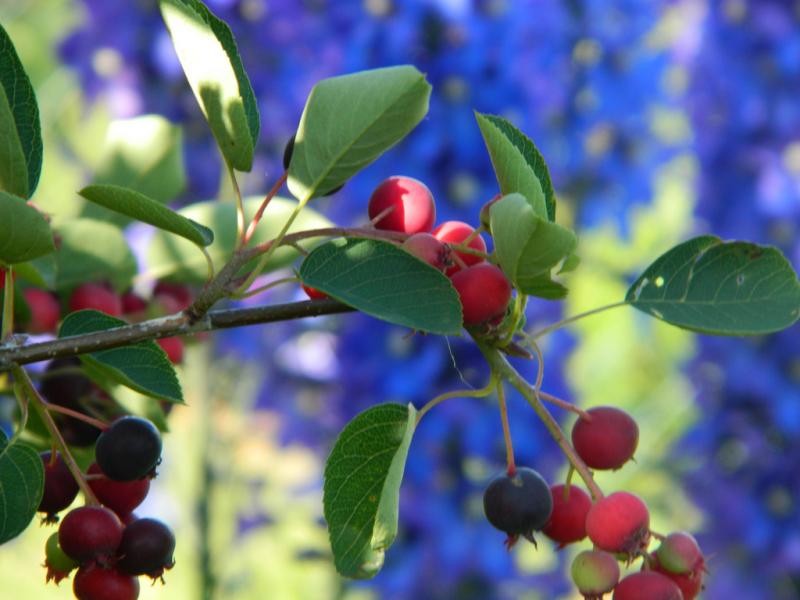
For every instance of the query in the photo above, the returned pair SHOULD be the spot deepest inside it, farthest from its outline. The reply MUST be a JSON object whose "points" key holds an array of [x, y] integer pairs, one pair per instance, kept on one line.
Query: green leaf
{"points": [[143, 366], [210, 59], [92, 250], [21, 486], [362, 486], [381, 280], [173, 258], [721, 288], [528, 246], [24, 129], [518, 164], [349, 121], [144, 154], [24, 233], [147, 210], [40, 272]]}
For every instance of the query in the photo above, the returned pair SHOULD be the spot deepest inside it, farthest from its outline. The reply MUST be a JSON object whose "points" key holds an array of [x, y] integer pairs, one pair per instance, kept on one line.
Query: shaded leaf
{"points": [[381, 280], [143, 367], [362, 485], [721, 288], [21, 486], [349, 121], [24, 233]]}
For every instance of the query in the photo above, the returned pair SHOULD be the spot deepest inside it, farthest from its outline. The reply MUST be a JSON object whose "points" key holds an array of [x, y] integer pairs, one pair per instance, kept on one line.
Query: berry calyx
{"points": [[518, 504], [93, 582], [619, 523], [129, 449], [690, 583], [595, 573], [120, 496], [411, 202], [567, 524], [484, 291], [90, 532], [60, 487], [146, 549], [680, 553], [45, 311], [57, 563], [96, 296], [313, 293], [454, 233], [173, 346], [647, 584], [606, 441], [428, 249]]}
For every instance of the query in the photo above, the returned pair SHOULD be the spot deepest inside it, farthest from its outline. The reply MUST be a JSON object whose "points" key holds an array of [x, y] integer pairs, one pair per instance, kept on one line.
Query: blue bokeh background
{"points": [[628, 101]]}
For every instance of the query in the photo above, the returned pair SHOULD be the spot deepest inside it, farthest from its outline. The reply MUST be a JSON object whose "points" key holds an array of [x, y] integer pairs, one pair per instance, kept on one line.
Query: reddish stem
{"points": [[76, 415], [251, 229]]}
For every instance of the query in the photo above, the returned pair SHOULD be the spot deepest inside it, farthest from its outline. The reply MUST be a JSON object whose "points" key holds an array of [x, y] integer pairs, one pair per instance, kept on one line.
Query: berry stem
{"points": [[464, 249], [381, 215], [8, 305], [501, 398], [77, 415], [480, 393], [503, 368], [40, 406], [565, 405], [264, 288], [475, 233], [237, 193], [251, 229], [559, 324]]}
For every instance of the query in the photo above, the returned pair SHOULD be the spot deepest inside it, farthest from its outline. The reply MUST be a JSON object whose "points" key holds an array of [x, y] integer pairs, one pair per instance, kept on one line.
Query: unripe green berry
{"points": [[679, 553], [595, 573], [58, 564]]}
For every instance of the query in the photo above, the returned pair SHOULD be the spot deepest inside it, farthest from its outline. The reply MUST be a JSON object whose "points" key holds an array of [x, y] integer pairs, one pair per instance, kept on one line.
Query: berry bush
{"points": [[401, 267]]}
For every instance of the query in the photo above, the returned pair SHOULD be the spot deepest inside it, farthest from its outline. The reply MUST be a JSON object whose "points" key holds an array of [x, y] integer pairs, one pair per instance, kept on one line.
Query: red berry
{"points": [[120, 496], [619, 523], [606, 441], [93, 582], [96, 296], [60, 487], [428, 249], [133, 304], [314, 293], [57, 563], [173, 346], [45, 311], [147, 548], [413, 208], [90, 532], [454, 233], [567, 524], [173, 297], [595, 573], [649, 585], [680, 553], [690, 583], [484, 292]]}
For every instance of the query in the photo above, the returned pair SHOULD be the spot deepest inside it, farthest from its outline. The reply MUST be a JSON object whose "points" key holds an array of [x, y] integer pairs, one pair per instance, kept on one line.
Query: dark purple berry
{"points": [[146, 549], [129, 449], [60, 487], [518, 504], [64, 386]]}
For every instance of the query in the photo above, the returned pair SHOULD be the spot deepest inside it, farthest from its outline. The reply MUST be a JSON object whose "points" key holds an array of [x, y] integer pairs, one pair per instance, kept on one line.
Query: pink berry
{"points": [[133, 304], [45, 310], [690, 583], [606, 441], [173, 346], [97, 297], [454, 233], [484, 291], [428, 249], [413, 208], [90, 532], [314, 293], [619, 523], [595, 573], [649, 585], [567, 524]]}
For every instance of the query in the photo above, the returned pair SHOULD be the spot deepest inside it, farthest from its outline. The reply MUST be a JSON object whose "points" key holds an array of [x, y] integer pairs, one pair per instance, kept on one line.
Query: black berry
{"points": [[64, 386], [129, 449], [146, 549], [518, 504]]}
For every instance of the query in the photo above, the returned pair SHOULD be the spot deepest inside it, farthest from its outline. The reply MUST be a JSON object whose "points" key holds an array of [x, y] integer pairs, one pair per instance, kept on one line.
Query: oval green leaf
{"points": [[362, 487], [173, 258], [92, 250], [21, 486], [381, 280], [721, 288], [24, 233], [207, 51], [518, 164], [349, 121], [19, 124], [528, 246], [143, 367], [138, 206]]}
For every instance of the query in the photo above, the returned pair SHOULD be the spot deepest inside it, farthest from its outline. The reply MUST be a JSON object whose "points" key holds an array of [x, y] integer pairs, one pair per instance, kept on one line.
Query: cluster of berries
{"points": [[108, 544], [405, 205], [521, 502], [45, 307]]}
